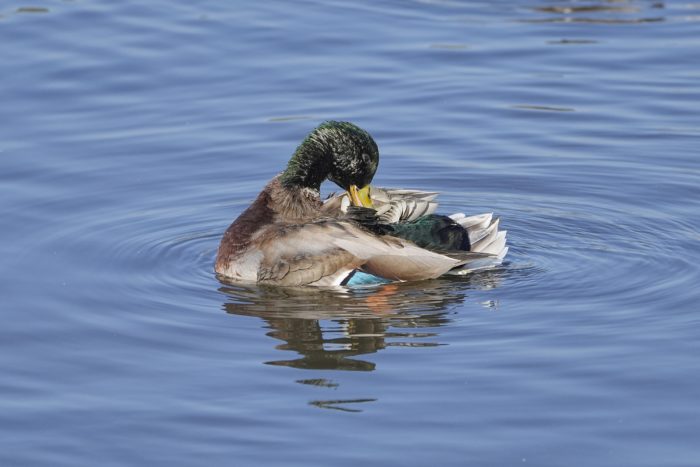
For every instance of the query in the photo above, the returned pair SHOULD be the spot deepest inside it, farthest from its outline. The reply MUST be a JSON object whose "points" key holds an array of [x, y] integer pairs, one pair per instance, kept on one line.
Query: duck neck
{"points": [[309, 166]]}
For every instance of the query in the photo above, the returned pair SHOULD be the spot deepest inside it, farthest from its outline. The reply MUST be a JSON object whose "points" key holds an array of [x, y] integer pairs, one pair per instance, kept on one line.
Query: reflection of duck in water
{"points": [[289, 237], [339, 328], [328, 327], [335, 328]]}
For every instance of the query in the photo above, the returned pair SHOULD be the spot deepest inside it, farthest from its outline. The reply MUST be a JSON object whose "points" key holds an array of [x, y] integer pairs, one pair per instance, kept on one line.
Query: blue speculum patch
{"points": [[362, 278]]}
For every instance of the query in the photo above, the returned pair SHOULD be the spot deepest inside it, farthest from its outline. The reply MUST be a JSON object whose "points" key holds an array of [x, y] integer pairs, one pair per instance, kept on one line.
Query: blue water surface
{"points": [[133, 133]]}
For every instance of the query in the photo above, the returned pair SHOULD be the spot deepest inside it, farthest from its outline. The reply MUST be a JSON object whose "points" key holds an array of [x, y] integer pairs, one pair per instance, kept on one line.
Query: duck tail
{"points": [[484, 237]]}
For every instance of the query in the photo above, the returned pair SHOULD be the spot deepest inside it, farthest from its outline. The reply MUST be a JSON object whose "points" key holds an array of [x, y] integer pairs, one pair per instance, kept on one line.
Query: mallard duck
{"points": [[288, 236]]}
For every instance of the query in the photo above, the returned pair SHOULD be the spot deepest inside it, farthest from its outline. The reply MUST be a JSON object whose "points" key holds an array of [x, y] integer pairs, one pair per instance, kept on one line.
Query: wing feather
{"points": [[401, 205], [325, 252]]}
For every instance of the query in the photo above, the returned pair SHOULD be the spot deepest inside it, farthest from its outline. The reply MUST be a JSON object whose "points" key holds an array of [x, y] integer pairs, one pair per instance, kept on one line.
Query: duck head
{"points": [[337, 151]]}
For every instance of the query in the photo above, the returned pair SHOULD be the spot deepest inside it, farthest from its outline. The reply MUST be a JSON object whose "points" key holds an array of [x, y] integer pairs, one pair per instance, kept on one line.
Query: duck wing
{"points": [[396, 205], [328, 252], [410, 213]]}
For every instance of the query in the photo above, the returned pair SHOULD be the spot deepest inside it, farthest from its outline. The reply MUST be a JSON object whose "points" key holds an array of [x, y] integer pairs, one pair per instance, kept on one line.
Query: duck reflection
{"points": [[329, 328], [337, 329]]}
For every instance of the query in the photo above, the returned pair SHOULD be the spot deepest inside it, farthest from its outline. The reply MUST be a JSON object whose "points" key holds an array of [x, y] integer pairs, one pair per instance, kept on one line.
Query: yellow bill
{"points": [[360, 197]]}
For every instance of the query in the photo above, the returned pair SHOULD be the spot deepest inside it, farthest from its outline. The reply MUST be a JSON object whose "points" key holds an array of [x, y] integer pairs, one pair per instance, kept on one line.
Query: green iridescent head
{"points": [[338, 151]]}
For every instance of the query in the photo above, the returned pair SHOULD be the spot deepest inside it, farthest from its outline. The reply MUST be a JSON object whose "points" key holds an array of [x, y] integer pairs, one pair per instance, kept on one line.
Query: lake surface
{"points": [[133, 133]]}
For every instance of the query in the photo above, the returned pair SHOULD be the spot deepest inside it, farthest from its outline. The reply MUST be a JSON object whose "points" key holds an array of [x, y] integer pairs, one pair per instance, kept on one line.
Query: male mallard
{"points": [[289, 237]]}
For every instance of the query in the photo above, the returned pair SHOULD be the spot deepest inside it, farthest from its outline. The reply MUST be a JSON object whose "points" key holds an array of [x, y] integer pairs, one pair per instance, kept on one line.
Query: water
{"points": [[133, 133]]}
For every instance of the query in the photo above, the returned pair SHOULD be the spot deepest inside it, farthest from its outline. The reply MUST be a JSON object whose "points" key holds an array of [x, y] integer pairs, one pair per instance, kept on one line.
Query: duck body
{"points": [[289, 237], [281, 239]]}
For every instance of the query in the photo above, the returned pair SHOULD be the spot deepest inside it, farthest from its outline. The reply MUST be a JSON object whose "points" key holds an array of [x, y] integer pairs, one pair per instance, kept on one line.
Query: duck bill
{"points": [[360, 197]]}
